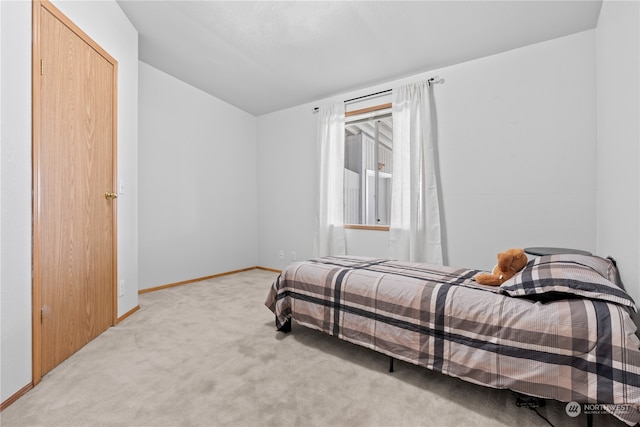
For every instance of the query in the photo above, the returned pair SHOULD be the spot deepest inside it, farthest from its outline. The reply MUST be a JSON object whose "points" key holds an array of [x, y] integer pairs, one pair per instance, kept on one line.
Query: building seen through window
{"points": [[368, 166]]}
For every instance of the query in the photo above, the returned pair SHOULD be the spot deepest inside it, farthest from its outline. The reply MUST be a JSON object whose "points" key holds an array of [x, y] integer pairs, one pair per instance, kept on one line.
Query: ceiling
{"points": [[264, 56]]}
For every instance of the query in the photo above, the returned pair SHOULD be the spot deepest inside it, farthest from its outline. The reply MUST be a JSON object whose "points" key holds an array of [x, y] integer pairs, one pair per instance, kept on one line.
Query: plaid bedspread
{"points": [[578, 350]]}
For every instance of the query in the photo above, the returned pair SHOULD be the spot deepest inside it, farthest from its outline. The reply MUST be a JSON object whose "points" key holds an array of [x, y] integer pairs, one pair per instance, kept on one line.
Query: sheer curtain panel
{"points": [[414, 229], [329, 237]]}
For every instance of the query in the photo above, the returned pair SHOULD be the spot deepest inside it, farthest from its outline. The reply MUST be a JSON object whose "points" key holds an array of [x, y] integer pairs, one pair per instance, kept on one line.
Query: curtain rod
{"points": [[371, 95], [431, 81]]}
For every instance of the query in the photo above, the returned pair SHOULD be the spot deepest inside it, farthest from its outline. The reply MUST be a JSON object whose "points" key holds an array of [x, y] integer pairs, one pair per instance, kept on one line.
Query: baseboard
{"points": [[273, 270], [127, 314], [185, 282], [17, 395]]}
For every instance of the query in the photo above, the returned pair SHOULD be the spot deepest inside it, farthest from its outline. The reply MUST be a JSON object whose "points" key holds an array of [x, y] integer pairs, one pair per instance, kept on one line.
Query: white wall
{"points": [[105, 23], [518, 150], [198, 182], [517, 142], [618, 70], [15, 136], [287, 185]]}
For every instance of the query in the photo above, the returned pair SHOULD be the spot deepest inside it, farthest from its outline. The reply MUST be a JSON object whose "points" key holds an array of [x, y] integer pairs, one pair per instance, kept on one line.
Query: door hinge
{"points": [[42, 67], [41, 315]]}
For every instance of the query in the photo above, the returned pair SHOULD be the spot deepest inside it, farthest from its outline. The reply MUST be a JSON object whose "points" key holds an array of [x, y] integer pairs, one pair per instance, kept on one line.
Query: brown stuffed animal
{"points": [[509, 263]]}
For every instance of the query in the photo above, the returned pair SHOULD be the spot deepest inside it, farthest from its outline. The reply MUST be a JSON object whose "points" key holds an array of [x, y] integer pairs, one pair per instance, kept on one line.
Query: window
{"points": [[368, 166]]}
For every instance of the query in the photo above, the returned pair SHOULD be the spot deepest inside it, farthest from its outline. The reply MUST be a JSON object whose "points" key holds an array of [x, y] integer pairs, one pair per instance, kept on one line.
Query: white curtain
{"points": [[329, 236], [414, 229]]}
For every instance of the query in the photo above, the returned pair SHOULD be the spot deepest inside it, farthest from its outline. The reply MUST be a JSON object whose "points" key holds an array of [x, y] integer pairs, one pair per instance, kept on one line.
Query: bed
{"points": [[560, 329]]}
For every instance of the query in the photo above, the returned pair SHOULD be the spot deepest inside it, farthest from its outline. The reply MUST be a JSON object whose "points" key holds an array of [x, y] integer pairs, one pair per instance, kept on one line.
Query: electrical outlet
{"points": [[121, 288], [281, 254], [293, 256]]}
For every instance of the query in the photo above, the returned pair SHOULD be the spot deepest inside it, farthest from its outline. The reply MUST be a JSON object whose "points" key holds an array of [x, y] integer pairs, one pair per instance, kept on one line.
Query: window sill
{"points": [[367, 227]]}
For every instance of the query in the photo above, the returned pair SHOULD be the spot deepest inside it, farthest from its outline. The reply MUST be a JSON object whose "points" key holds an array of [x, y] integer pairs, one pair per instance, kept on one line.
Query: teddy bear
{"points": [[509, 263]]}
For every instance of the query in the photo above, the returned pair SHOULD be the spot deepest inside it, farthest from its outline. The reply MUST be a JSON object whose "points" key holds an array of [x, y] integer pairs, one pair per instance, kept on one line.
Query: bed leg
{"points": [[589, 420], [285, 327], [390, 364]]}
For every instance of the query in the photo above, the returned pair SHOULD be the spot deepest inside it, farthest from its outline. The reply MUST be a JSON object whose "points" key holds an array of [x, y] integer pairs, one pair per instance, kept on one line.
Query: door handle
{"points": [[110, 196]]}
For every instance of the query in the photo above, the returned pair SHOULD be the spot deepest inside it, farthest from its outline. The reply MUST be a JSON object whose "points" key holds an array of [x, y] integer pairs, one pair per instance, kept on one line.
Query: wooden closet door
{"points": [[74, 230]]}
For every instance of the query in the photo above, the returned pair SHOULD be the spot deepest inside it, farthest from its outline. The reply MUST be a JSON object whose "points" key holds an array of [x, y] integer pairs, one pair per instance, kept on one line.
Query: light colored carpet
{"points": [[207, 354]]}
